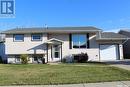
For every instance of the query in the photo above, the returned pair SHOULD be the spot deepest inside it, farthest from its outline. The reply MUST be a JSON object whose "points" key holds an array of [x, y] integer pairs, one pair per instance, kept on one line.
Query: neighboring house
{"points": [[56, 43], [2, 47], [126, 45]]}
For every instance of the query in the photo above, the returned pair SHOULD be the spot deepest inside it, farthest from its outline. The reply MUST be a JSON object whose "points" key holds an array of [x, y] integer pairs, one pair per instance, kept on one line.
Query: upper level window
{"points": [[79, 41], [36, 37], [18, 37]]}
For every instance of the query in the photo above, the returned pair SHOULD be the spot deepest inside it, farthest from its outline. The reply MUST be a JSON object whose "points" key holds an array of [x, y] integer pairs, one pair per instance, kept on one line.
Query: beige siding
{"points": [[26, 47], [93, 51], [39, 47]]}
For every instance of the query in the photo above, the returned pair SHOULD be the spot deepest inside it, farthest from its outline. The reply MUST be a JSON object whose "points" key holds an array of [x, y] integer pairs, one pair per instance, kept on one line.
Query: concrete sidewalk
{"points": [[103, 84]]}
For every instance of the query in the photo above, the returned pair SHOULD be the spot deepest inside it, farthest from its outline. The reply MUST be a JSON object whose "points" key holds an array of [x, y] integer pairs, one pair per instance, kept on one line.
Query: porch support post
{"points": [[61, 52], [47, 52]]}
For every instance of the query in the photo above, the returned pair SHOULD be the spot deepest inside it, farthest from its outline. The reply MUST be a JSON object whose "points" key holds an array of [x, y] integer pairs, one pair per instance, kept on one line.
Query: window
{"points": [[56, 50], [79, 41], [36, 37], [35, 58], [56, 55], [17, 58], [18, 37]]}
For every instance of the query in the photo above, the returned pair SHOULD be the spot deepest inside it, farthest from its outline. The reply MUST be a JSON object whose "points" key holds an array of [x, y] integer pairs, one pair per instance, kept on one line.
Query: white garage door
{"points": [[109, 52]]}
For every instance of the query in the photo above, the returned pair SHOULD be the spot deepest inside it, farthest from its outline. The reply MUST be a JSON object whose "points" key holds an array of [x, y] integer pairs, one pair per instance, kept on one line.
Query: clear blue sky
{"points": [[108, 15]]}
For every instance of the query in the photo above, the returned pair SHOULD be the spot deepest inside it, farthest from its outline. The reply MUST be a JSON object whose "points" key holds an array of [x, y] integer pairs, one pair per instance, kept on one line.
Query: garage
{"points": [[109, 52]]}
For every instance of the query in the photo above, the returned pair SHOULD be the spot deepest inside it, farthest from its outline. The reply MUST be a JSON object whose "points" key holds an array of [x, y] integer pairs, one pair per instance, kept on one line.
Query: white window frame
{"points": [[79, 41], [53, 49], [14, 38], [16, 58], [36, 39]]}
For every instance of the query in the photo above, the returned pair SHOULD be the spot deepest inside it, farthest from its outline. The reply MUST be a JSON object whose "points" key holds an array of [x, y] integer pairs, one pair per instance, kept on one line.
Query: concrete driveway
{"points": [[125, 64]]}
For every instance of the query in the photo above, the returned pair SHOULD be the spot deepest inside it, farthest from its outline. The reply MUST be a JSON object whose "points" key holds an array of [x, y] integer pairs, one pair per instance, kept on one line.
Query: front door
{"points": [[56, 52]]}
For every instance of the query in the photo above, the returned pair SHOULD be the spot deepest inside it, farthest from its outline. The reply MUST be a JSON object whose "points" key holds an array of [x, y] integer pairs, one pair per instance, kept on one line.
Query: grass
{"points": [[39, 74]]}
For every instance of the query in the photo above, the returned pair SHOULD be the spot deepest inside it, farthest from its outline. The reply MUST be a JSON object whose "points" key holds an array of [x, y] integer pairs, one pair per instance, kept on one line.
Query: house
{"points": [[58, 43], [126, 45]]}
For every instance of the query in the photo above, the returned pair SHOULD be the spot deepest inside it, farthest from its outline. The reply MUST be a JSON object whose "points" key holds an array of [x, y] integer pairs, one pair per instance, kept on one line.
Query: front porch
{"points": [[54, 50]]}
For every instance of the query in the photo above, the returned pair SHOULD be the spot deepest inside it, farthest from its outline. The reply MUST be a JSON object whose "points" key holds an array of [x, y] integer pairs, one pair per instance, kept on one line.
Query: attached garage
{"points": [[109, 52]]}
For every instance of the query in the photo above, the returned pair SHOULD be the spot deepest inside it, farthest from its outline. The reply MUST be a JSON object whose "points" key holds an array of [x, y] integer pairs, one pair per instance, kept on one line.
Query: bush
{"points": [[81, 58], [24, 58], [64, 60], [43, 60], [1, 60]]}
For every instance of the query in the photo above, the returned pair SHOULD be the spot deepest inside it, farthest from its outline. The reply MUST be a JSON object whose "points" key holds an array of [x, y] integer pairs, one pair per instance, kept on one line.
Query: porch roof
{"points": [[53, 41]]}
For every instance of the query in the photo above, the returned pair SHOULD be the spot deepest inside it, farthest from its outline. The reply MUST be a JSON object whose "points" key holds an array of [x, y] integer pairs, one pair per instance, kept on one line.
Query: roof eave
{"points": [[106, 39], [55, 31]]}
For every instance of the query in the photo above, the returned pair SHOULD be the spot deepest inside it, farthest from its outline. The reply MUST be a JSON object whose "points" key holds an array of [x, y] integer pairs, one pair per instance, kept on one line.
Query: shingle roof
{"points": [[52, 30], [125, 32], [110, 36]]}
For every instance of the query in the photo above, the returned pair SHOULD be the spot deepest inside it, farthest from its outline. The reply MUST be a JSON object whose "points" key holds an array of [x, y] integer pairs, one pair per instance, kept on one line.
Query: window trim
{"points": [[54, 51], [17, 57], [14, 40], [35, 39], [37, 56], [87, 41]]}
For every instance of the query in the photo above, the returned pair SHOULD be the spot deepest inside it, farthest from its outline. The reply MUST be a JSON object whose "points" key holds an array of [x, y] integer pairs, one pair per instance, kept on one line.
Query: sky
{"points": [[109, 15]]}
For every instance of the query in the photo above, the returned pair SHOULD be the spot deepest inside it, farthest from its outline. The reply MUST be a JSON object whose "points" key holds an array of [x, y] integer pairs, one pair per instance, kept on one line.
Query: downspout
{"points": [[99, 34], [125, 41]]}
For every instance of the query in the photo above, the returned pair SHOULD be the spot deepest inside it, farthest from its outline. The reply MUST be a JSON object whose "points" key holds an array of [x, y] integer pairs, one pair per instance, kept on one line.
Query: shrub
{"points": [[43, 60], [1, 60], [24, 58], [64, 60], [81, 58]]}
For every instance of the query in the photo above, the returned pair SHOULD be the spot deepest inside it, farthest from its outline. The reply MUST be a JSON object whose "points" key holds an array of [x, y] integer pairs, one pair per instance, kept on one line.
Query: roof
{"points": [[125, 30], [54, 41], [110, 36], [52, 30]]}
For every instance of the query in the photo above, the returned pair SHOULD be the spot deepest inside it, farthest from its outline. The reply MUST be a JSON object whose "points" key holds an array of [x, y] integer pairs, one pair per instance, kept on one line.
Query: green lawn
{"points": [[39, 74]]}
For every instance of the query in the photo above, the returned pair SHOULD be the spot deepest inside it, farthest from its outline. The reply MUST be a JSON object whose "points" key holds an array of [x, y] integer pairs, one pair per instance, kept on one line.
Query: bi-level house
{"points": [[56, 43]]}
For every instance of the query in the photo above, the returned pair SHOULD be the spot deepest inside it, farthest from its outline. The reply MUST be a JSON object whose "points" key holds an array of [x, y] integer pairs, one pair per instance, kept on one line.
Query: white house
{"points": [[56, 43]]}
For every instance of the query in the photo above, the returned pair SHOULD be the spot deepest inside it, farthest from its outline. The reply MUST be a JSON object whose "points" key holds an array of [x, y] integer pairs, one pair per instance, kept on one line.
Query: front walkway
{"points": [[125, 64], [103, 84]]}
